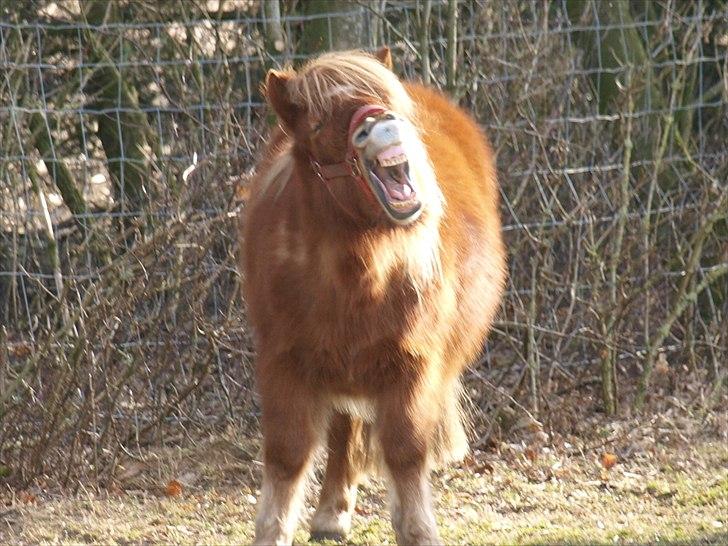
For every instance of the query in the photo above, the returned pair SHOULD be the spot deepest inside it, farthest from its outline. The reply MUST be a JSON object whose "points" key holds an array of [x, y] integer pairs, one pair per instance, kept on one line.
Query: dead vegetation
{"points": [[610, 481], [122, 337]]}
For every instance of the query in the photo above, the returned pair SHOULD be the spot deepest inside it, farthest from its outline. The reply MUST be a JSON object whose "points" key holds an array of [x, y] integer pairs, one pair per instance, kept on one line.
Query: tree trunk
{"points": [[62, 176], [123, 128], [274, 37], [338, 25], [612, 49]]}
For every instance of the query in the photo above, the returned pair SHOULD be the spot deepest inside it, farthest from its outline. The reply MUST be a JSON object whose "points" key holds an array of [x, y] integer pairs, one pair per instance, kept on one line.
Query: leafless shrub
{"points": [[135, 125]]}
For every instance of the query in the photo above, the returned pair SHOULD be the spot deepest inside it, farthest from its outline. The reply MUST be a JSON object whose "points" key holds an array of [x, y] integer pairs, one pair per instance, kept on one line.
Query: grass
{"points": [[669, 493]]}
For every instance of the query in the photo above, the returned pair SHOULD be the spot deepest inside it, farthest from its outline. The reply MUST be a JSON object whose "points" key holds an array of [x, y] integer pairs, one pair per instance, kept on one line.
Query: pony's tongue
{"points": [[392, 170], [400, 191], [391, 156]]}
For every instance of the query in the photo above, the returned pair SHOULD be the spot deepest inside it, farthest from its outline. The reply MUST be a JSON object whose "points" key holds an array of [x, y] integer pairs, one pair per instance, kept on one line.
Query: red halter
{"points": [[350, 167]]}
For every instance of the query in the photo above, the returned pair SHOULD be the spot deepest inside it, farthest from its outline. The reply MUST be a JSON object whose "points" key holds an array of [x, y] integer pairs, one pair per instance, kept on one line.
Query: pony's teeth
{"points": [[393, 155], [390, 161]]}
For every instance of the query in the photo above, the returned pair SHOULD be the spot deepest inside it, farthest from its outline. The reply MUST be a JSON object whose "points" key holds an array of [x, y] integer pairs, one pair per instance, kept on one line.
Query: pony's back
{"points": [[464, 160], [472, 252]]}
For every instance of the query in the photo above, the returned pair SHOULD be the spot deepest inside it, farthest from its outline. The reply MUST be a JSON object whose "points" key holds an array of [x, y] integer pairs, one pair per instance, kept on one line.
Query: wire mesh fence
{"points": [[128, 130]]}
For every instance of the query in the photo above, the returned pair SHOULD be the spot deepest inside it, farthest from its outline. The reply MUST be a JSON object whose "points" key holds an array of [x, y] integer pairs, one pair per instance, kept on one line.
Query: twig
{"points": [[452, 45], [62, 176], [394, 30], [532, 354], [669, 120], [424, 23], [684, 296], [609, 365]]}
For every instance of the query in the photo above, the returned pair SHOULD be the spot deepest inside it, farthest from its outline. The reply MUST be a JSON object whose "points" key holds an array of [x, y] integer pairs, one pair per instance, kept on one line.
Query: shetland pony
{"points": [[373, 266]]}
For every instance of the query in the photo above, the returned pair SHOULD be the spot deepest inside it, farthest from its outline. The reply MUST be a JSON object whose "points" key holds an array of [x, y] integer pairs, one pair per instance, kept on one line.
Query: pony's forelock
{"points": [[333, 76]]}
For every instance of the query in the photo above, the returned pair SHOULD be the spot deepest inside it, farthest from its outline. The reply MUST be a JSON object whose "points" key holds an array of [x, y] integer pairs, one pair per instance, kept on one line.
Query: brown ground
{"points": [[669, 485]]}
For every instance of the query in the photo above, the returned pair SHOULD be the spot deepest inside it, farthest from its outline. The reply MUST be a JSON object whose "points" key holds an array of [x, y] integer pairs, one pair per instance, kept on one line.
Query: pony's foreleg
{"points": [[406, 425], [289, 437], [347, 454]]}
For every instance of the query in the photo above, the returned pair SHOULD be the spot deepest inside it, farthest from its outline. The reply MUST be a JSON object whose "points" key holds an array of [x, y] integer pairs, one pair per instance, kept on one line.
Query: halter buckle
{"points": [[355, 167], [317, 169]]}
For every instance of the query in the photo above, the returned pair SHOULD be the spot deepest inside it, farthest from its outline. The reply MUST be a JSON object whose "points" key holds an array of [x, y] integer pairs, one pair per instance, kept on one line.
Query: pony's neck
{"points": [[319, 202], [384, 248]]}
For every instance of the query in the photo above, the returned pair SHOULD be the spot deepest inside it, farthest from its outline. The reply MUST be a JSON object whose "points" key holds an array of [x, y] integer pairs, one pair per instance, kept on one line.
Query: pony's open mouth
{"points": [[389, 177]]}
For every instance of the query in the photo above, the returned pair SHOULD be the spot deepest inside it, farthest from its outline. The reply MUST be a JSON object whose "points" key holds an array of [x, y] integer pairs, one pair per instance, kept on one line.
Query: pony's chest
{"points": [[355, 293], [353, 284], [346, 298], [349, 315]]}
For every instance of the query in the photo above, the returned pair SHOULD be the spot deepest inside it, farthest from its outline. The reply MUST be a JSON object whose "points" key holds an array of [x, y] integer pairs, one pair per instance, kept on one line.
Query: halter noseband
{"points": [[350, 167]]}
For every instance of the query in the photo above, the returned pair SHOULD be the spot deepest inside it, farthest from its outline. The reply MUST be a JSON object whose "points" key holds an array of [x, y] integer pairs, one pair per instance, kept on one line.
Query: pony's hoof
{"points": [[318, 536]]}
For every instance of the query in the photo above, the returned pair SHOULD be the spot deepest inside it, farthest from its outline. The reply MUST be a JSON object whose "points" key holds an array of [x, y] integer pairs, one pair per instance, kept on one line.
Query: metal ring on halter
{"points": [[317, 169]]}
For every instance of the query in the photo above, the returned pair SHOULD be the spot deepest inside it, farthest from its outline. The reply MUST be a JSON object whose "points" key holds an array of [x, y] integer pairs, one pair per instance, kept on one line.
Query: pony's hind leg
{"points": [[347, 456], [289, 439], [406, 427]]}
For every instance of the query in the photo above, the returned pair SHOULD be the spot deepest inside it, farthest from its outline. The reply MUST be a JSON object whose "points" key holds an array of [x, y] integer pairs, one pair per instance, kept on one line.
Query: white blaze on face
{"points": [[373, 137], [391, 140], [383, 134]]}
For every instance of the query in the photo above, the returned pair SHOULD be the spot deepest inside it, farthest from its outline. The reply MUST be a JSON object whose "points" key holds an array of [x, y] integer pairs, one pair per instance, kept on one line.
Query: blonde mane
{"points": [[328, 78], [279, 171]]}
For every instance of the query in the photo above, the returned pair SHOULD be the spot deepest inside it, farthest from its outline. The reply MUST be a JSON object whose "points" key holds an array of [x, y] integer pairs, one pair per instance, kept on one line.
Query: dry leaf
{"points": [[27, 498], [608, 460], [531, 454], [662, 367], [173, 489], [20, 350], [479, 466], [483, 467]]}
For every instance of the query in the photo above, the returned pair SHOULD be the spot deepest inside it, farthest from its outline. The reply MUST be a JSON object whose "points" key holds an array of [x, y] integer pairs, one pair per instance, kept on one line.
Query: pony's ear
{"points": [[385, 56], [276, 91]]}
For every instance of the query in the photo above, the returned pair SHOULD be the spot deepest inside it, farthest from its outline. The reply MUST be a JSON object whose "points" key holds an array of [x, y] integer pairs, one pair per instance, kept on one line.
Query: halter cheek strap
{"points": [[349, 168], [336, 170], [344, 170]]}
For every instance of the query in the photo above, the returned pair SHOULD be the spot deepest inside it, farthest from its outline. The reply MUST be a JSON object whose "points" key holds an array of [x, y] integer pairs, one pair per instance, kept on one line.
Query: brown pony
{"points": [[373, 268]]}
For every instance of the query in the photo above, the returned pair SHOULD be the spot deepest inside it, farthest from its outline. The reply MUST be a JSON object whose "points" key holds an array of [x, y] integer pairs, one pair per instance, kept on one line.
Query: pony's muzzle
{"points": [[379, 147]]}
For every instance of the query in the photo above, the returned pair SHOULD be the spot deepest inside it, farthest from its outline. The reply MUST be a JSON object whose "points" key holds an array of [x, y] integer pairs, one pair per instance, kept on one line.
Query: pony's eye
{"points": [[317, 126]]}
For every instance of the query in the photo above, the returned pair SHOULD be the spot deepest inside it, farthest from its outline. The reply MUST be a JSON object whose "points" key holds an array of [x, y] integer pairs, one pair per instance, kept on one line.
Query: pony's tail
{"points": [[449, 442]]}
